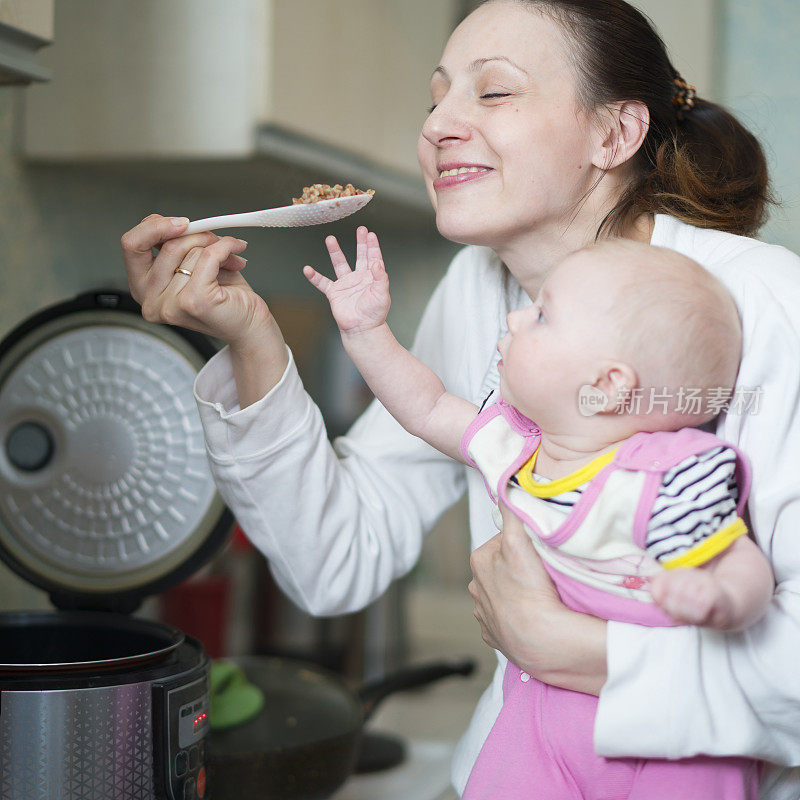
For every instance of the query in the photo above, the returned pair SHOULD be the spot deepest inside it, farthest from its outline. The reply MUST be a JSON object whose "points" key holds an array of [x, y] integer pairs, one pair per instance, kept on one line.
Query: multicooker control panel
{"points": [[188, 729]]}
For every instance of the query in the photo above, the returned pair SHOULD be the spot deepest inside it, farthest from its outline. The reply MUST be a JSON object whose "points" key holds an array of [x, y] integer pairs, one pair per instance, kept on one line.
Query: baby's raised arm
{"points": [[411, 392]]}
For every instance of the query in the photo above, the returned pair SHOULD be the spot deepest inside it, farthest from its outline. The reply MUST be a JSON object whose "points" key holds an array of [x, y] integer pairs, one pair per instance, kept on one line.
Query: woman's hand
{"points": [[522, 616], [214, 299], [208, 295], [359, 297]]}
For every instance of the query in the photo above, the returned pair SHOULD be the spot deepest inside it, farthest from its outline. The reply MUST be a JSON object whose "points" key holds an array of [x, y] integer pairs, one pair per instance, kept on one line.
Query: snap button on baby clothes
{"points": [[656, 463], [524, 677]]}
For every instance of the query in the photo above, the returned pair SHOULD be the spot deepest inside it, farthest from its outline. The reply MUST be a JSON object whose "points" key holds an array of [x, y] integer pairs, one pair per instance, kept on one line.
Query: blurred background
{"points": [[111, 111]]}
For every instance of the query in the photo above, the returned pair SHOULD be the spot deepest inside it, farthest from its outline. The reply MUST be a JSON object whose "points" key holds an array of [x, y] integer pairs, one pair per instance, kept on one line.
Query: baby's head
{"points": [[616, 324]]}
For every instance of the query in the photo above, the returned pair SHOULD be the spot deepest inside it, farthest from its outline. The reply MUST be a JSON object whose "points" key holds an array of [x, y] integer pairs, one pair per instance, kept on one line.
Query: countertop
{"points": [[430, 720]]}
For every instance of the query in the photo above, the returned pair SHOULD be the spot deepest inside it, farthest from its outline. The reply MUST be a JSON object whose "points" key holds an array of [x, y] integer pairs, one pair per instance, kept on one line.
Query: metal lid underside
{"points": [[104, 483]]}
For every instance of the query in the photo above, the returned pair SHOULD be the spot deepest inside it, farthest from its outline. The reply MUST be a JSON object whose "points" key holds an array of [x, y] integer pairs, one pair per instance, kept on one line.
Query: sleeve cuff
{"points": [[636, 705], [232, 432], [709, 548]]}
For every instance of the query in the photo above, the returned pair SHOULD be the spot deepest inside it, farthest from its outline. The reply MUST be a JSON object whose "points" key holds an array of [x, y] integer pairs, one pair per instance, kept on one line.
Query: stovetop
{"points": [[424, 775]]}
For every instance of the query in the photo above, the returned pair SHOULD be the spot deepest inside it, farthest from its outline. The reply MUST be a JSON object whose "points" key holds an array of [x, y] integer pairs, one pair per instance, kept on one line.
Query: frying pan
{"points": [[304, 743]]}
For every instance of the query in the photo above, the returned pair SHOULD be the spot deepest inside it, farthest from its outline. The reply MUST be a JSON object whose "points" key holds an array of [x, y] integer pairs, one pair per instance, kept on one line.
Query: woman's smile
{"points": [[456, 174]]}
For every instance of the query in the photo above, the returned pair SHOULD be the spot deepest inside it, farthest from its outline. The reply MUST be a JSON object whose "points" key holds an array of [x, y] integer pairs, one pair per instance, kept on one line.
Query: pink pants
{"points": [[541, 748]]}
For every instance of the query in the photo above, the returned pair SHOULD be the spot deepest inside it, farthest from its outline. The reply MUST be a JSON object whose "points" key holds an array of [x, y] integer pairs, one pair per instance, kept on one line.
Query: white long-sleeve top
{"points": [[338, 524]]}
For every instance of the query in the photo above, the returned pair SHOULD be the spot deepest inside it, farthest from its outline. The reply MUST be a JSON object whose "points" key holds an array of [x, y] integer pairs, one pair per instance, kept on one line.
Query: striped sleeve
{"points": [[694, 516]]}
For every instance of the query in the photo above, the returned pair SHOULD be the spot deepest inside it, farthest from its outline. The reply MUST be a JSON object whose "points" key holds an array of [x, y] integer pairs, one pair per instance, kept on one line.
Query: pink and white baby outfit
{"points": [[660, 500]]}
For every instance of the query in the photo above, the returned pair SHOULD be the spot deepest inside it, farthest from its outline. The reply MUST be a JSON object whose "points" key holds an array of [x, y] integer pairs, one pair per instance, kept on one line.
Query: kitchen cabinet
{"points": [[25, 27], [203, 79]]}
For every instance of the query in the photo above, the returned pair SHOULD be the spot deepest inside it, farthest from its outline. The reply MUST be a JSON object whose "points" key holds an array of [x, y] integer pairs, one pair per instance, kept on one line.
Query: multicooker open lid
{"points": [[105, 491]]}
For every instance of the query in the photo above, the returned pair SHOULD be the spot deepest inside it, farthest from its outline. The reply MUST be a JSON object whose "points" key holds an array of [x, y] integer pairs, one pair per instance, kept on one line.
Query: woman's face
{"points": [[505, 108]]}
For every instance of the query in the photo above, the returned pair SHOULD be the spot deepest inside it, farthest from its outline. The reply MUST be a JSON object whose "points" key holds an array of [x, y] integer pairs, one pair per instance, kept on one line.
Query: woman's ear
{"points": [[621, 129], [617, 381]]}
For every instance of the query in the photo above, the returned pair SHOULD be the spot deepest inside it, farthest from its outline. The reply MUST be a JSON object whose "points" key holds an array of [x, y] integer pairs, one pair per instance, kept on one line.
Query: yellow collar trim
{"points": [[565, 484]]}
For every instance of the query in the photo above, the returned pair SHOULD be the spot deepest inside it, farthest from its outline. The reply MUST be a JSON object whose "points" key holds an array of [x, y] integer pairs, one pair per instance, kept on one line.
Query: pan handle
{"points": [[370, 694]]}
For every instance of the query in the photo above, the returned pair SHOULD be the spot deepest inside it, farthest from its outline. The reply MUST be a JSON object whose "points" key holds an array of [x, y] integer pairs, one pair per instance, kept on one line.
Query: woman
{"points": [[572, 125]]}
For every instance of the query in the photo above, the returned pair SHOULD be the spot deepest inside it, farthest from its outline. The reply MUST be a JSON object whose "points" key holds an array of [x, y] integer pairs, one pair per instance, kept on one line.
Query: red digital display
{"points": [[193, 722]]}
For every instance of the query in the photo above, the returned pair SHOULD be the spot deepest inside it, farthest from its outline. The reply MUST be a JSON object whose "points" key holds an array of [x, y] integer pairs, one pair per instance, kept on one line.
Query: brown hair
{"points": [[702, 165]]}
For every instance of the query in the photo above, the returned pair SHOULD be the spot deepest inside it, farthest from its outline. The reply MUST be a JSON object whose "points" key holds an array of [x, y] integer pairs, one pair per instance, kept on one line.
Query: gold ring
{"points": [[182, 271]]}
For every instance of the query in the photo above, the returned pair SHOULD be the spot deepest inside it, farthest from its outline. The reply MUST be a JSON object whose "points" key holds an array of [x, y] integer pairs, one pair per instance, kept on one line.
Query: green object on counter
{"points": [[234, 700]]}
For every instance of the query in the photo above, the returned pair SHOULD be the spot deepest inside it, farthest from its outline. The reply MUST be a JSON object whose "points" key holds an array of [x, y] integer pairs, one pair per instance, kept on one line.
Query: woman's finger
{"points": [[340, 265], [156, 298], [174, 253], [212, 237], [482, 611], [151, 232], [521, 559], [139, 241], [186, 266], [481, 563], [187, 299], [361, 248], [205, 269], [513, 533], [507, 515], [233, 263], [162, 307]]}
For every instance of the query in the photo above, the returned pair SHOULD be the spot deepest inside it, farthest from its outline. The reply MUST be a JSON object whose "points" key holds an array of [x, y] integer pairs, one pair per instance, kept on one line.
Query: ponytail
{"points": [[710, 172]]}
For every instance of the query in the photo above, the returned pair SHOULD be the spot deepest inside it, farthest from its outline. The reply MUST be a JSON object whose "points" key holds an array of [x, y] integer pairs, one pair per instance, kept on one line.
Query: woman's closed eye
{"points": [[487, 96]]}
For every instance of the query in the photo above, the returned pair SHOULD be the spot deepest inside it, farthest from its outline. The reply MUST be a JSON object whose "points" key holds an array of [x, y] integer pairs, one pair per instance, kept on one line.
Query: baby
{"points": [[619, 498]]}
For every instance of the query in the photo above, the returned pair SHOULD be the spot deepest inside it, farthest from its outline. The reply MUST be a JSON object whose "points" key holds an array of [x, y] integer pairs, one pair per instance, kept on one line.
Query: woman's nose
{"points": [[446, 123]]}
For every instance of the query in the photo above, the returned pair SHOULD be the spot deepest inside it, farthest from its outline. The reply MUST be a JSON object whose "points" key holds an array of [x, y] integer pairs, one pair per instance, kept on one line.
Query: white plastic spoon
{"points": [[295, 216]]}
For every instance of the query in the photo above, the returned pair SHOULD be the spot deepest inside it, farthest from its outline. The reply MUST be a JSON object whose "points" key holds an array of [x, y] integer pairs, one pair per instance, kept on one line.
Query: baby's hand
{"points": [[359, 298], [692, 596]]}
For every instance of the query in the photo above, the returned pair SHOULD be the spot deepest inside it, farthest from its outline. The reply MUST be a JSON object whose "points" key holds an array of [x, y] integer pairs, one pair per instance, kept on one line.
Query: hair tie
{"points": [[683, 96]]}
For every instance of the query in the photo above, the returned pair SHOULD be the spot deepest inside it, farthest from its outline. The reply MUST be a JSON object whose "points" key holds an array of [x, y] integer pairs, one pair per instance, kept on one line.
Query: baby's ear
{"points": [[617, 381]]}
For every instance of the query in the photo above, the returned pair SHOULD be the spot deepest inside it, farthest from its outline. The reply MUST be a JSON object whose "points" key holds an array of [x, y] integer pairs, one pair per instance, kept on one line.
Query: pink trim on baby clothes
{"points": [[644, 510], [599, 603], [482, 419], [517, 420], [581, 508], [526, 427], [744, 477], [575, 517], [662, 450], [658, 452], [518, 423], [488, 413]]}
